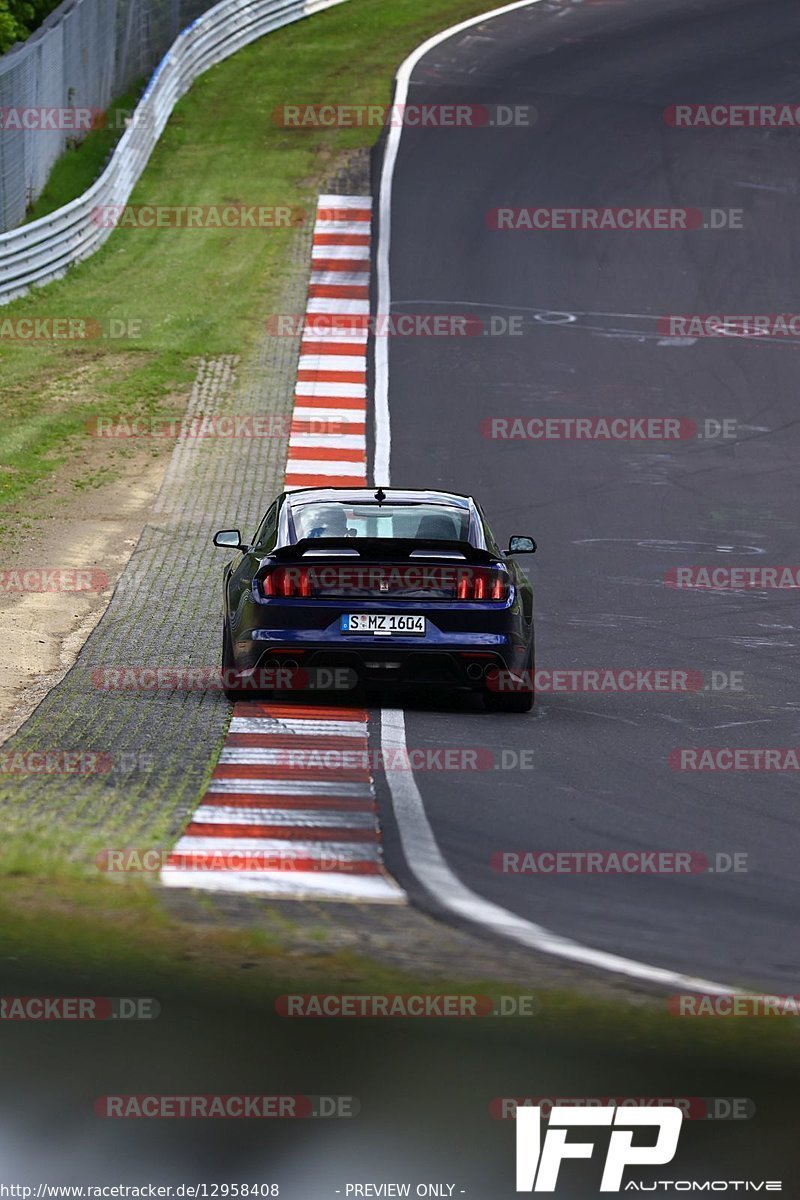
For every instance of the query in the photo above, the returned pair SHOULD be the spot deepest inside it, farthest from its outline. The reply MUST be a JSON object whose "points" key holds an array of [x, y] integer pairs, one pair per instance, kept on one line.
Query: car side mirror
{"points": [[230, 538], [521, 545]]}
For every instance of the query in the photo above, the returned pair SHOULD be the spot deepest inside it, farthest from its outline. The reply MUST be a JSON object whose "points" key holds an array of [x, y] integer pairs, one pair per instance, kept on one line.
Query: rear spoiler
{"points": [[383, 550]]}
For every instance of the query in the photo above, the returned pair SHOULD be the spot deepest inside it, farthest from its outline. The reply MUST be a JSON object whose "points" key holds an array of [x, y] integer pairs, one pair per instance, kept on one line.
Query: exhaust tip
{"points": [[474, 671]]}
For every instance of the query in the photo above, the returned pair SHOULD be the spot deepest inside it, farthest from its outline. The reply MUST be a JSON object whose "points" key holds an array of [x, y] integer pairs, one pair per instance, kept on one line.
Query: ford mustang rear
{"points": [[388, 588]]}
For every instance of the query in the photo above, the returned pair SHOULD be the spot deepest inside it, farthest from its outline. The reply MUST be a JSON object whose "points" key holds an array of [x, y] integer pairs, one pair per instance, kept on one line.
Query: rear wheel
{"points": [[518, 701], [229, 673]]}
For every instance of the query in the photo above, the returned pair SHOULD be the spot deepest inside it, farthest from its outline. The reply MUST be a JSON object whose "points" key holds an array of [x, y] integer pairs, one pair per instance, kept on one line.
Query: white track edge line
{"points": [[427, 863], [421, 850]]}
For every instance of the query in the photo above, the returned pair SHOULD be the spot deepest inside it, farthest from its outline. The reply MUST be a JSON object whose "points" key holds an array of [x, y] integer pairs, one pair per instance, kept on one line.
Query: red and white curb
{"points": [[277, 818], [328, 443]]}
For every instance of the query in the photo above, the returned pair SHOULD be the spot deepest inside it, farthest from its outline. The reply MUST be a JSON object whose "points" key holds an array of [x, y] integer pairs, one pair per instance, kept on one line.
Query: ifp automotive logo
{"points": [[539, 1159]]}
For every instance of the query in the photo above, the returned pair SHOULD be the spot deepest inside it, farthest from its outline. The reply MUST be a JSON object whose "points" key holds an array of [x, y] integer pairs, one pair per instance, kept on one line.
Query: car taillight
{"points": [[482, 583], [286, 582]]}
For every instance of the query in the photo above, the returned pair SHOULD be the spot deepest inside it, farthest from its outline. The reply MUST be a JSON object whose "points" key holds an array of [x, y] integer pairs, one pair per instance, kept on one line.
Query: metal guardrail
{"points": [[45, 249]]}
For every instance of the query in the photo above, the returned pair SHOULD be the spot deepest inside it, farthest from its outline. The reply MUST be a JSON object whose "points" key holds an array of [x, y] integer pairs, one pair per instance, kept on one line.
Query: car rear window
{"points": [[438, 522]]}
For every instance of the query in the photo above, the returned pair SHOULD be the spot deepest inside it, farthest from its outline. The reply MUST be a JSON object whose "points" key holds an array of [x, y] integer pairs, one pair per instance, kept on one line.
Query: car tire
{"points": [[512, 702], [229, 676]]}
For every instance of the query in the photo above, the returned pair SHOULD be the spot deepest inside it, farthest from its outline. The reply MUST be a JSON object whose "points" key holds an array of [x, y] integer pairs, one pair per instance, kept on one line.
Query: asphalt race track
{"points": [[612, 517]]}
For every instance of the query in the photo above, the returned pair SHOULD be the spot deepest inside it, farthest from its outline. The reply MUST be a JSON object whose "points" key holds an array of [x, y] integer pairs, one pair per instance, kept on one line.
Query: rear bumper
{"points": [[391, 665], [397, 666], [460, 644]]}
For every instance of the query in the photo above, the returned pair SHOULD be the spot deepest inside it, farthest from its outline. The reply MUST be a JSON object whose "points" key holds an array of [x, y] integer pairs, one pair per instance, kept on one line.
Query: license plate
{"points": [[406, 624]]}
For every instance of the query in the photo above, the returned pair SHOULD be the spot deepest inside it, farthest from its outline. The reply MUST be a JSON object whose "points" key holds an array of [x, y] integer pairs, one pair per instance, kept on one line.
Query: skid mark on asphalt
{"points": [[290, 811]]}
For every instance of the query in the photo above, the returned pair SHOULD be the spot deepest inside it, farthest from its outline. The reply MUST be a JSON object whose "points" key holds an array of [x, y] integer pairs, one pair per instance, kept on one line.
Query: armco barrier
{"points": [[45, 249]]}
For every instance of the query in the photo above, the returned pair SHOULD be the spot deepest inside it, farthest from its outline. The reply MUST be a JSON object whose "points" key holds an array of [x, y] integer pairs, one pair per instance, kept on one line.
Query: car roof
{"points": [[349, 495]]}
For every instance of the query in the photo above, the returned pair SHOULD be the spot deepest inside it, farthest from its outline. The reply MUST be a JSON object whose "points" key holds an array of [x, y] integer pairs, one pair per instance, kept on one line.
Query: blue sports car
{"points": [[402, 588]]}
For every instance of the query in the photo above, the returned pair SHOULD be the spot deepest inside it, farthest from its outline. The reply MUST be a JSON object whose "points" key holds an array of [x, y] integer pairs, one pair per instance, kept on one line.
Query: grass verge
{"points": [[165, 297], [50, 932]]}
